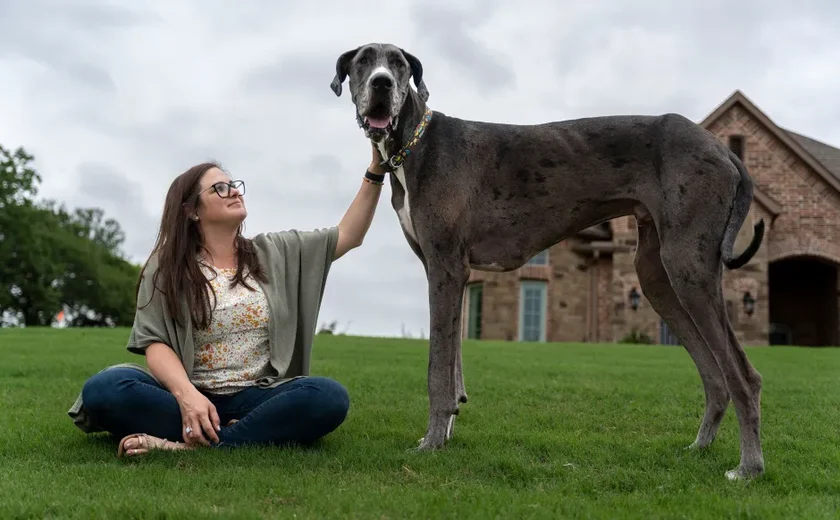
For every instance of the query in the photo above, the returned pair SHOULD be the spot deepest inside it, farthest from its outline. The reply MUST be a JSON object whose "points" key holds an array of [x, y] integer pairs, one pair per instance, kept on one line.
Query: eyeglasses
{"points": [[223, 188]]}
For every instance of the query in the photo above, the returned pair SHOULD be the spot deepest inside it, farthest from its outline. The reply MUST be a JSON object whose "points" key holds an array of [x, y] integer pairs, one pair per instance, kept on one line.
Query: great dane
{"points": [[489, 196]]}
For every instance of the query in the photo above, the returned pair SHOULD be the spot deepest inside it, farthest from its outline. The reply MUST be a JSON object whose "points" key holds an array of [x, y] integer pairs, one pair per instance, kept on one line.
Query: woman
{"points": [[226, 324]]}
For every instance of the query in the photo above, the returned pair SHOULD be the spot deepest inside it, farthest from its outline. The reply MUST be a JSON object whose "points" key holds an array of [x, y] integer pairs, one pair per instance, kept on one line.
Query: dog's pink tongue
{"points": [[378, 122]]}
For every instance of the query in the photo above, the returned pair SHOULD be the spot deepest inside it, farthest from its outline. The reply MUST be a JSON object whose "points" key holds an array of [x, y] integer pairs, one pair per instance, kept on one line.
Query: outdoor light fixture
{"points": [[635, 297], [749, 303]]}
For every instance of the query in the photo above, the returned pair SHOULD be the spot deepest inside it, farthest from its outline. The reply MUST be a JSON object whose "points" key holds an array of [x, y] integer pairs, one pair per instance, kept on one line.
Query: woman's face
{"points": [[220, 203]]}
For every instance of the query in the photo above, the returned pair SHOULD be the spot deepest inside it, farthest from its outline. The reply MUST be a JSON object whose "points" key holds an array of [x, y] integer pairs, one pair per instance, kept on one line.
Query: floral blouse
{"points": [[233, 352]]}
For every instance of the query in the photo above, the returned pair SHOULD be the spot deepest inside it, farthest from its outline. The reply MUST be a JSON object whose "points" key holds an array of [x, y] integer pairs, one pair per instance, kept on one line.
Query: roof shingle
{"points": [[827, 155]]}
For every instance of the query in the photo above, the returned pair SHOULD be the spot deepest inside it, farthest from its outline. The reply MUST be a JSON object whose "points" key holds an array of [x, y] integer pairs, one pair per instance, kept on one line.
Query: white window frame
{"points": [[540, 258], [542, 286], [469, 303]]}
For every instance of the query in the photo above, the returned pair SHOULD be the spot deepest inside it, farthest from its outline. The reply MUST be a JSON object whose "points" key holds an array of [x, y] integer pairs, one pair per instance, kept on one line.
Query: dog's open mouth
{"points": [[378, 120]]}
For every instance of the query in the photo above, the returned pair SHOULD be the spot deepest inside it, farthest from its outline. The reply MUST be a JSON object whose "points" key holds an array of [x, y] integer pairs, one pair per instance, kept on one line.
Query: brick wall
{"points": [[750, 329], [500, 305], [605, 304], [567, 278], [810, 221], [808, 225], [568, 304]]}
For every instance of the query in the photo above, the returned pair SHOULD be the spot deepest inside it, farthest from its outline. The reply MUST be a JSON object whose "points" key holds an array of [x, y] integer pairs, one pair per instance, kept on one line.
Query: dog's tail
{"points": [[737, 215]]}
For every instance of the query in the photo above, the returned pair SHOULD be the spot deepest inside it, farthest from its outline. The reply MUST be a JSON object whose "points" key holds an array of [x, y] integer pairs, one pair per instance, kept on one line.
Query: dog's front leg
{"points": [[460, 388], [446, 288]]}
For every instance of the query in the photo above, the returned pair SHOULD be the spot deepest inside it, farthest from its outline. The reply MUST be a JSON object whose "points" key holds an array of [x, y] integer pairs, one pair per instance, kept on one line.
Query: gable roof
{"points": [[828, 155], [822, 158]]}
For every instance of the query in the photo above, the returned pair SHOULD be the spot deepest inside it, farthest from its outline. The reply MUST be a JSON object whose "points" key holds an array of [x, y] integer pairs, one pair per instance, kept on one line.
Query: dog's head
{"points": [[379, 75]]}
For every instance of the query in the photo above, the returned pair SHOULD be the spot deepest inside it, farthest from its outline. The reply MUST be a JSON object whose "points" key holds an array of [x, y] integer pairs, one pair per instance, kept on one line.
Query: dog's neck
{"points": [[411, 114]]}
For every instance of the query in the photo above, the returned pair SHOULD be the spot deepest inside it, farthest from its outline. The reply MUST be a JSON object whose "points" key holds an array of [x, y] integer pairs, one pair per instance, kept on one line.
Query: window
{"points": [[475, 294], [736, 144], [666, 336], [532, 310], [540, 258]]}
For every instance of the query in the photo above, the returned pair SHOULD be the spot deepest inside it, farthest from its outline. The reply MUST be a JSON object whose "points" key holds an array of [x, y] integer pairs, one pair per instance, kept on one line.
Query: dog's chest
{"points": [[404, 213]]}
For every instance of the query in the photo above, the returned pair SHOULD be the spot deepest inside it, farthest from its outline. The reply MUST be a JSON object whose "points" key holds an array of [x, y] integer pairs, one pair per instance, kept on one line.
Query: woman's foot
{"points": [[142, 443]]}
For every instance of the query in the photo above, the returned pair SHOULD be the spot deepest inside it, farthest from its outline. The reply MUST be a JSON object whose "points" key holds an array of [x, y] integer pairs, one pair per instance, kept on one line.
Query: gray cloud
{"points": [[55, 34], [687, 57], [115, 101], [302, 75], [100, 185], [449, 31]]}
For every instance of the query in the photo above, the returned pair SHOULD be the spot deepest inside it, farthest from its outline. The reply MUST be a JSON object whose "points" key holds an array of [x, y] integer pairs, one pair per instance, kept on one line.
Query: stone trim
{"points": [[769, 203], [803, 246], [534, 272]]}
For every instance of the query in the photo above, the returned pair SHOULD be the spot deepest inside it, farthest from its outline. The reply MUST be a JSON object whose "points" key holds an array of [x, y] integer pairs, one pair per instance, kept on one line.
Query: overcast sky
{"points": [[116, 98]]}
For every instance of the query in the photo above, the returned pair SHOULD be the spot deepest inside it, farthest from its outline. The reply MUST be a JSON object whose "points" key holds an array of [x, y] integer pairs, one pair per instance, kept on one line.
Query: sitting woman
{"points": [[226, 324]]}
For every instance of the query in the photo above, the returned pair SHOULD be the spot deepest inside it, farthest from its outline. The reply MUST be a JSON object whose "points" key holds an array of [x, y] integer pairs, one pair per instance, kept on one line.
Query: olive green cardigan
{"points": [[296, 264]]}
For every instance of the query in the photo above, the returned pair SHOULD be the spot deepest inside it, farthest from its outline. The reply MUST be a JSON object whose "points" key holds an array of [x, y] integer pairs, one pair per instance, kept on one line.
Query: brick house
{"points": [[584, 289]]}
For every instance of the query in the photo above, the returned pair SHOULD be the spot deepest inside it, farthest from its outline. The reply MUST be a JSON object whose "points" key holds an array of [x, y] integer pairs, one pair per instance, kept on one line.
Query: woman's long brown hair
{"points": [[178, 246]]}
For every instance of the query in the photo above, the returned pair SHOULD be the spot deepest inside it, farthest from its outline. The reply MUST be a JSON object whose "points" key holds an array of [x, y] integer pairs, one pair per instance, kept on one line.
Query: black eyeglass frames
{"points": [[223, 188]]}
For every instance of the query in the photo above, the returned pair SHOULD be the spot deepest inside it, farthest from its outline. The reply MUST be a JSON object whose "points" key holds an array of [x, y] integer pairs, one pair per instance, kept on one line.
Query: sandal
{"points": [[145, 442]]}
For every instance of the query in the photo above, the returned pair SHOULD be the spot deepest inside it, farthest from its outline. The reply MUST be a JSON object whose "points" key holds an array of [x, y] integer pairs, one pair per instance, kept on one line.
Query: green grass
{"points": [[551, 431]]}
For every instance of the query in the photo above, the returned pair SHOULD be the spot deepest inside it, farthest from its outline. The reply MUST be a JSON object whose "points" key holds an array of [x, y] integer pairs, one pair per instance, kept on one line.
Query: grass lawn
{"points": [[551, 431]]}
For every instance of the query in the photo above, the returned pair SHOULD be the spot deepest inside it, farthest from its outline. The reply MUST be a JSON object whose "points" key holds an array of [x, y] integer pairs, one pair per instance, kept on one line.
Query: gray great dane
{"points": [[489, 196]]}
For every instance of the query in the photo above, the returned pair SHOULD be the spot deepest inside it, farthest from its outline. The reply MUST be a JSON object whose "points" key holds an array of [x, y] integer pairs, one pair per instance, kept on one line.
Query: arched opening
{"points": [[804, 302]]}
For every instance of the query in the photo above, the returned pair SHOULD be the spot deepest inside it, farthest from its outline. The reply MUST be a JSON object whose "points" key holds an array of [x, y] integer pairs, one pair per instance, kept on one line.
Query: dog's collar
{"points": [[394, 162]]}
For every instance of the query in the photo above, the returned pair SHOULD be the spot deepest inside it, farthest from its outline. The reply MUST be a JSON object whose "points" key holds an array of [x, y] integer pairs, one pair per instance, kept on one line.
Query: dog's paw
{"points": [[734, 474], [700, 443], [428, 445], [436, 436], [740, 473]]}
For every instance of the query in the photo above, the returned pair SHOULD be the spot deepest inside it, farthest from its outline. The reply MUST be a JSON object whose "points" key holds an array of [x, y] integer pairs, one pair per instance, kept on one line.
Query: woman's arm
{"points": [[356, 221], [196, 410], [167, 368]]}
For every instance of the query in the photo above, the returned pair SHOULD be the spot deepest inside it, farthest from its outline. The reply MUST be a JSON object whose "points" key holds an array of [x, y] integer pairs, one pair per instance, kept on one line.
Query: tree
{"points": [[52, 258], [28, 266], [26, 235], [18, 180], [96, 284], [90, 223]]}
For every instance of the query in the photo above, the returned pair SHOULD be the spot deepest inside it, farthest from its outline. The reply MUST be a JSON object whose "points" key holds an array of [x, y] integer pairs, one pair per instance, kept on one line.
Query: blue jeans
{"points": [[124, 401]]}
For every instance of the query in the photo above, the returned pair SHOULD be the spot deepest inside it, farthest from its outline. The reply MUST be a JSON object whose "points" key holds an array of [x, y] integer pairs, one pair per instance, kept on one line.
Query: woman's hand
{"points": [[199, 414], [375, 160]]}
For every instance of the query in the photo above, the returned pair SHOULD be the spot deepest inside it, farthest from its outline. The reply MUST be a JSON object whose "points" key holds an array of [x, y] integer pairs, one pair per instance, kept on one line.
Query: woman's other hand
{"points": [[199, 417]]}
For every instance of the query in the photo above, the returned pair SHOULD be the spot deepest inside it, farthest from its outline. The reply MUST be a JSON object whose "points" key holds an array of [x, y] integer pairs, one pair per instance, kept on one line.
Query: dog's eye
{"points": [[397, 63], [363, 60]]}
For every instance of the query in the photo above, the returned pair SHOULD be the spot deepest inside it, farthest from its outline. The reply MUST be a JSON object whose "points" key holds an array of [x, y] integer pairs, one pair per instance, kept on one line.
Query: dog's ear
{"points": [[417, 73], [342, 65]]}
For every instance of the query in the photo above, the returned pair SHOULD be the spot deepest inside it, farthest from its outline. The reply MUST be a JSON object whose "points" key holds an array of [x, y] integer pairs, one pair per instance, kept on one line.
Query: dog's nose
{"points": [[382, 81]]}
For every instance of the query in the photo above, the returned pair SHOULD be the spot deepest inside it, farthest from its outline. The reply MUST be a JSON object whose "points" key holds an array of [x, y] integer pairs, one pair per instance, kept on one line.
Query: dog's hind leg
{"points": [[447, 278], [690, 256], [656, 287]]}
